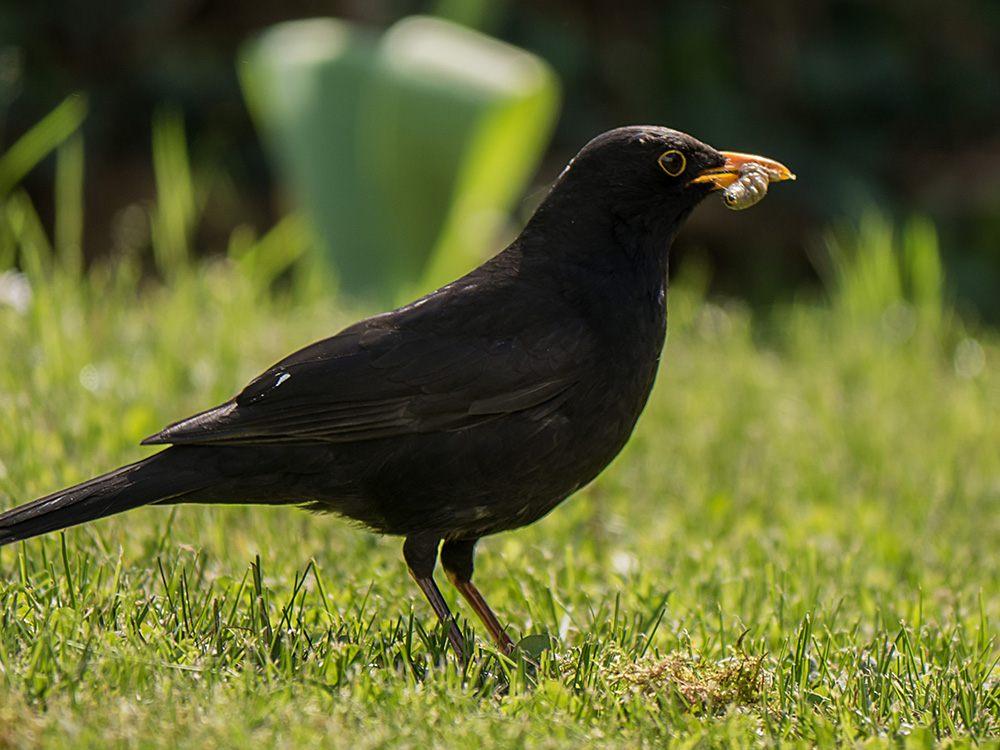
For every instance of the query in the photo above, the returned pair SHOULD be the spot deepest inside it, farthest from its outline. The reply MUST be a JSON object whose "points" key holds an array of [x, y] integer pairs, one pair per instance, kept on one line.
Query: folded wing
{"points": [[372, 381]]}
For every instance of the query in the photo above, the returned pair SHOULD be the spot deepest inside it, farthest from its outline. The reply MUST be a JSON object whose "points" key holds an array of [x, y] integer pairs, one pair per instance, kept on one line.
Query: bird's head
{"points": [[651, 177]]}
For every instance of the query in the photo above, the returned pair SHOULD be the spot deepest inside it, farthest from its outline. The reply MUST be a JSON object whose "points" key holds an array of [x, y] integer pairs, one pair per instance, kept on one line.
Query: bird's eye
{"points": [[673, 162]]}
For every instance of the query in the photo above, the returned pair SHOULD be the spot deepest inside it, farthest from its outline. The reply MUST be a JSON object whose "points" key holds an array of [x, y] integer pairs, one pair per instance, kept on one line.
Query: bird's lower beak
{"points": [[724, 176]]}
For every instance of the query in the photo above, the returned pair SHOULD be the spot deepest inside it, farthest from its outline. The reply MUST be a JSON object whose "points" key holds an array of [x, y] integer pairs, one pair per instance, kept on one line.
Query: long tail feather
{"points": [[155, 479]]}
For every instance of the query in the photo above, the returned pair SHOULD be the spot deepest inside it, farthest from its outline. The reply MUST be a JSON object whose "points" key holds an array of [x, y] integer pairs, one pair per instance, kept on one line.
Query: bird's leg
{"points": [[420, 553], [456, 559]]}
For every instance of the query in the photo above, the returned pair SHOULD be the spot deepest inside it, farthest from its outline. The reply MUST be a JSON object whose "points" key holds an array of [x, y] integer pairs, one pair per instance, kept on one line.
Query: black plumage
{"points": [[473, 410]]}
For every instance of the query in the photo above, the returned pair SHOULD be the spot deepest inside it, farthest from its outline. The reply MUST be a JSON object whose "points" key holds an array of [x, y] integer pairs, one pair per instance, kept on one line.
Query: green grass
{"points": [[798, 546]]}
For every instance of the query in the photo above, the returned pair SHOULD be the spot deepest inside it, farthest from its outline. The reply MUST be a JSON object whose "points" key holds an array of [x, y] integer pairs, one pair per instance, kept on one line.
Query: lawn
{"points": [[798, 546]]}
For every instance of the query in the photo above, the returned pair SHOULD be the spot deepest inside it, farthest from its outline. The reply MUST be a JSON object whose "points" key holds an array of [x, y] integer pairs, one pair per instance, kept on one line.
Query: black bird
{"points": [[473, 410]]}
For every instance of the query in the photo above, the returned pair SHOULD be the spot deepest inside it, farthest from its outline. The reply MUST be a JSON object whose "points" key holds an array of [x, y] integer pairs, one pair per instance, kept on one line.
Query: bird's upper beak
{"points": [[724, 176]]}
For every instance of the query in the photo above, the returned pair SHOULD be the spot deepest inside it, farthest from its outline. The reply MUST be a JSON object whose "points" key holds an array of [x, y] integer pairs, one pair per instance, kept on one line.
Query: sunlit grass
{"points": [[797, 546], [812, 492]]}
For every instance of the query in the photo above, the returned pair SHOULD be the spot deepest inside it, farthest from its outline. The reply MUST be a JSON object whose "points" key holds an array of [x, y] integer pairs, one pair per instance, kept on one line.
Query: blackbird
{"points": [[476, 409]]}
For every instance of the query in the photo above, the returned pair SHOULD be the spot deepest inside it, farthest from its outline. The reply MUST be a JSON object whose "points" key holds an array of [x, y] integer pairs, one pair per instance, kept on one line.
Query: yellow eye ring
{"points": [[672, 162]]}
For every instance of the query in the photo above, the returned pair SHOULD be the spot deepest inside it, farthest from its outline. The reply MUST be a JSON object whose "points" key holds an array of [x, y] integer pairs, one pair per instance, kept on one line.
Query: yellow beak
{"points": [[724, 176]]}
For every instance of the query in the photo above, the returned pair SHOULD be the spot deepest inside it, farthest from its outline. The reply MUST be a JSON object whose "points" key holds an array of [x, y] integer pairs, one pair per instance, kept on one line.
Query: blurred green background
{"points": [[892, 103]]}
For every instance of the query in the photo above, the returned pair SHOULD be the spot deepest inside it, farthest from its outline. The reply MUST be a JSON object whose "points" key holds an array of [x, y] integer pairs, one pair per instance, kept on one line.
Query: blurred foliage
{"points": [[407, 150], [885, 103]]}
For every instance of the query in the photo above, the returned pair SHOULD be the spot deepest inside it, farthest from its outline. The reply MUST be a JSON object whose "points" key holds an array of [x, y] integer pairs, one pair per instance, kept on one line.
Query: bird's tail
{"points": [[156, 479]]}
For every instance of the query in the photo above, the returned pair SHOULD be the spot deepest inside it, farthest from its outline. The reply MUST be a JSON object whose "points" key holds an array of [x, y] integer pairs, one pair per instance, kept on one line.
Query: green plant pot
{"points": [[407, 149]]}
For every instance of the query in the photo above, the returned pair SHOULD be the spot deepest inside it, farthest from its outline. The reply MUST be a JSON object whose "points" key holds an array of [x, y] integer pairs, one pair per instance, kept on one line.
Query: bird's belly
{"points": [[499, 475]]}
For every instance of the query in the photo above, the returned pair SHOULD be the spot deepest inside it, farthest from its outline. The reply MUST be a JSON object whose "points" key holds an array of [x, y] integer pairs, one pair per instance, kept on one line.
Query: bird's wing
{"points": [[370, 382]]}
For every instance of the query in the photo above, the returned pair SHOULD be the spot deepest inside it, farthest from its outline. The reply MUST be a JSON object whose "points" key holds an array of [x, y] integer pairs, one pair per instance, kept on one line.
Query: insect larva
{"points": [[749, 188]]}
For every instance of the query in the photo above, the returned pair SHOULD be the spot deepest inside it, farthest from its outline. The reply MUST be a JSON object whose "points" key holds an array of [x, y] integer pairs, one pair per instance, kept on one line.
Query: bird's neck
{"points": [[611, 270], [626, 257]]}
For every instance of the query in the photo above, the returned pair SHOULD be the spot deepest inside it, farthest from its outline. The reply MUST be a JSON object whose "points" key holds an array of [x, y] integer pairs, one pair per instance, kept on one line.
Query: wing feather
{"points": [[366, 384]]}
